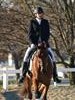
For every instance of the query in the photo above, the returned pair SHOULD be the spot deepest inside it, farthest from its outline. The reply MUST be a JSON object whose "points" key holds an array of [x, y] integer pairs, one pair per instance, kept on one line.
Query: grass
{"points": [[0, 88], [12, 85], [1, 85]]}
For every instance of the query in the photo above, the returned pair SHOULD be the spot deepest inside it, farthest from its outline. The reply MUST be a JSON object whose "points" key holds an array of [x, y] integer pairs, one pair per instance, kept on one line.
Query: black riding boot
{"points": [[24, 71], [55, 76]]}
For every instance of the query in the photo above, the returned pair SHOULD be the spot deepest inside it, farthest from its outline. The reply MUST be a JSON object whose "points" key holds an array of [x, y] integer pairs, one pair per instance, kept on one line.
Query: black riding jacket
{"points": [[36, 31]]}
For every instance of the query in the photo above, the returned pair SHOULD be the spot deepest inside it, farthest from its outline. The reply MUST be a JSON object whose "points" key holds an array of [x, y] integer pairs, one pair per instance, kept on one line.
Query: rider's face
{"points": [[39, 15]]}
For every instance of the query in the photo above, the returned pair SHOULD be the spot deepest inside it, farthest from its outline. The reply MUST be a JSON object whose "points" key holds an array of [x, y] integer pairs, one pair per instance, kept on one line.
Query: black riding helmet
{"points": [[38, 10]]}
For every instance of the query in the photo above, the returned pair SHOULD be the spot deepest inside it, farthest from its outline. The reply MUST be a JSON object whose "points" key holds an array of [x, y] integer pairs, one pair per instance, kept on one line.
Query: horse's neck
{"points": [[44, 60]]}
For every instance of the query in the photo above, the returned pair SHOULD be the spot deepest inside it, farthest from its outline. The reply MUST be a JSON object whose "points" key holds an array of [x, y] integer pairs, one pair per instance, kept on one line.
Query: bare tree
{"points": [[61, 15]]}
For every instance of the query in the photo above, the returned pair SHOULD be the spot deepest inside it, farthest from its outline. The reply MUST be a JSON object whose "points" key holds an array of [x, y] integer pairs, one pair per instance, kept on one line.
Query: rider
{"points": [[38, 31]]}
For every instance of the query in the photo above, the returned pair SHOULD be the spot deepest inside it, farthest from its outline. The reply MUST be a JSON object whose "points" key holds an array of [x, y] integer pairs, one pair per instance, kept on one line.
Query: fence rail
{"points": [[66, 69], [5, 72]]}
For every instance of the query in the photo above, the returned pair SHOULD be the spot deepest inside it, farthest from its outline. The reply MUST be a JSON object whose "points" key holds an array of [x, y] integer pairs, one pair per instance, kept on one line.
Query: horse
{"points": [[36, 84]]}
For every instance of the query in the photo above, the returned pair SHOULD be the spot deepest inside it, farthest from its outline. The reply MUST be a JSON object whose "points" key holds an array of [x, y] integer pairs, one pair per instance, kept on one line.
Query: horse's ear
{"points": [[44, 44]]}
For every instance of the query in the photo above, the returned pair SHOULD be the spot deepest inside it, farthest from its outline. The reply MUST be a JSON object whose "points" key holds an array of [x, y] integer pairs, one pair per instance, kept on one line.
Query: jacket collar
{"points": [[37, 21]]}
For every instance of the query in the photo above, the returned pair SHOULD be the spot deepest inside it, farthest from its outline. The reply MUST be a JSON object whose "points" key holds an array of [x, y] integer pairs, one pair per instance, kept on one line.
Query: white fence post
{"points": [[10, 59], [5, 78]]}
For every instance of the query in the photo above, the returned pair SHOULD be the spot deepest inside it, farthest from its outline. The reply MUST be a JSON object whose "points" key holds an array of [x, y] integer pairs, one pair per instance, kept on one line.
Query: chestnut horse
{"points": [[41, 72]]}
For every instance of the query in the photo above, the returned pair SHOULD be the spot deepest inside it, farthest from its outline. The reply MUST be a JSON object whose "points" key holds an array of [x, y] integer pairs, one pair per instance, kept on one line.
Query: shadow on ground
{"points": [[12, 95]]}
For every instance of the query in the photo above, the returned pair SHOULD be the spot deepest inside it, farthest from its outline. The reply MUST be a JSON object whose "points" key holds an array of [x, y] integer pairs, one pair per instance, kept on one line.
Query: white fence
{"points": [[5, 72]]}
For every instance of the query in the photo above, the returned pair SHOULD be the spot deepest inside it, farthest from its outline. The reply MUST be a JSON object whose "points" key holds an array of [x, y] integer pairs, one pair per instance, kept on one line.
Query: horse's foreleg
{"points": [[35, 85], [36, 93], [43, 89]]}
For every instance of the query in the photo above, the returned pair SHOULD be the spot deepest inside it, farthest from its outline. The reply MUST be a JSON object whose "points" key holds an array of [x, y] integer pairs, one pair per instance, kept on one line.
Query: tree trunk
{"points": [[72, 78], [17, 66], [72, 74]]}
